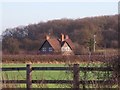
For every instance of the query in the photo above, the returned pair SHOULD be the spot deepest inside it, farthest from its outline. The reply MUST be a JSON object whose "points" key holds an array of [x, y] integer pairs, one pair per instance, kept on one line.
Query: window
{"points": [[50, 49], [65, 49], [44, 49]]}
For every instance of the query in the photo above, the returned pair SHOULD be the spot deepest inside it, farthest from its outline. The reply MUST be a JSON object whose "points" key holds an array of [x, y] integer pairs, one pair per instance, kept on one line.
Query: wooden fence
{"points": [[76, 77]]}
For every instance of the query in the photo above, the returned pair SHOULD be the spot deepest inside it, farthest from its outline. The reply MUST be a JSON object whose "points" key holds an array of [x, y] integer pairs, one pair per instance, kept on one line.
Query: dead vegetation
{"points": [[56, 58]]}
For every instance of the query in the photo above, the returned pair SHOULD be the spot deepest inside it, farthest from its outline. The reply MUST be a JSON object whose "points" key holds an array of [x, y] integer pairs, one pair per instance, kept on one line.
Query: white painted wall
{"points": [[65, 49]]}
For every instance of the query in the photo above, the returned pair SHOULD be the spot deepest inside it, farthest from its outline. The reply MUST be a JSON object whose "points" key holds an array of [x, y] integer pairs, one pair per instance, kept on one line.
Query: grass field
{"points": [[51, 75]]}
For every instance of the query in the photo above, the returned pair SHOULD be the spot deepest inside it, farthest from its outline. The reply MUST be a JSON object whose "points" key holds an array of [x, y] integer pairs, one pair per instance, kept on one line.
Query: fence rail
{"points": [[59, 68], [76, 71], [61, 81]]}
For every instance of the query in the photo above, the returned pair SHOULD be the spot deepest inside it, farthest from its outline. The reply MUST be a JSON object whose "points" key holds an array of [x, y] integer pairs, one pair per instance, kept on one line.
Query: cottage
{"points": [[53, 45]]}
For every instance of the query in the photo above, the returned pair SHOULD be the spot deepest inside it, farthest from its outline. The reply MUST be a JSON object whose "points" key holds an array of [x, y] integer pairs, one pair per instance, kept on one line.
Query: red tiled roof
{"points": [[69, 42], [54, 43]]}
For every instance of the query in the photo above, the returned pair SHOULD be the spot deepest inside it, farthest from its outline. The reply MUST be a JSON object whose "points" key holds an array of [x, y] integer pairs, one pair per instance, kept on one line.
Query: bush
{"points": [[81, 50]]}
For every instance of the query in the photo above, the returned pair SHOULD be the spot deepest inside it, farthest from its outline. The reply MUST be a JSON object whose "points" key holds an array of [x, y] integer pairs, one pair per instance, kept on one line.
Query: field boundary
{"points": [[75, 70], [57, 58]]}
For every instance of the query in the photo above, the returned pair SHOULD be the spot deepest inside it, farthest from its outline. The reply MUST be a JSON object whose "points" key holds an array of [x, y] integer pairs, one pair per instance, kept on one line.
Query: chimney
{"points": [[62, 37], [47, 37], [66, 37]]}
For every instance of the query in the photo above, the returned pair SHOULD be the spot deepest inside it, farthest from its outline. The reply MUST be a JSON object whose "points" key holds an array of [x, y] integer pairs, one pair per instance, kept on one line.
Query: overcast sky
{"points": [[15, 14]]}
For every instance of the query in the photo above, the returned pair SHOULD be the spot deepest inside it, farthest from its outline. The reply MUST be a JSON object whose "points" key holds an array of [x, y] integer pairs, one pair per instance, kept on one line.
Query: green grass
{"points": [[50, 75]]}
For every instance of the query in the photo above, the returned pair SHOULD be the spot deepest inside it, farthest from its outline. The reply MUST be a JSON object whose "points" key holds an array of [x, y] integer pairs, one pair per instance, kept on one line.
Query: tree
{"points": [[91, 44], [11, 45], [81, 31]]}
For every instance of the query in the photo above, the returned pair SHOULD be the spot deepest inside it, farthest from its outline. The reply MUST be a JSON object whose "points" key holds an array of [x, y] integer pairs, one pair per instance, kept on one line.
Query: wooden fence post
{"points": [[76, 77], [28, 77]]}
